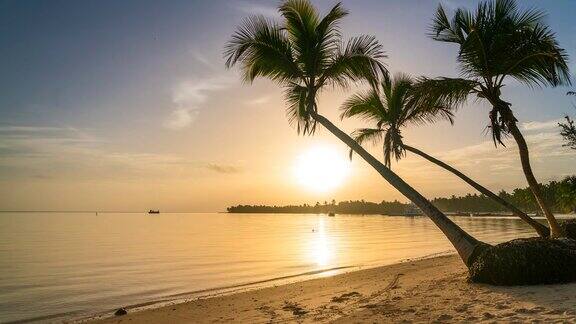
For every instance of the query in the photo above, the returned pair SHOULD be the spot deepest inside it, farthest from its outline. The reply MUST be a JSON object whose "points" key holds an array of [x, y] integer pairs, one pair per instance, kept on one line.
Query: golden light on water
{"points": [[321, 169], [321, 249]]}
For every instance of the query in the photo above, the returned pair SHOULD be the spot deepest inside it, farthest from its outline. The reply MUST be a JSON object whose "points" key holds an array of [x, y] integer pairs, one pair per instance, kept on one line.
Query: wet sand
{"points": [[429, 290]]}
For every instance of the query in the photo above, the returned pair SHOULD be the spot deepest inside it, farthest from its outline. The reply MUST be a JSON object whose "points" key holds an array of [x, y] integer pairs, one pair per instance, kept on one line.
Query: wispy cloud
{"points": [[254, 8], [499, 167], [203, 59], [541, 125], [68, 153], [258, 101], [188, 96], [223, 168]]}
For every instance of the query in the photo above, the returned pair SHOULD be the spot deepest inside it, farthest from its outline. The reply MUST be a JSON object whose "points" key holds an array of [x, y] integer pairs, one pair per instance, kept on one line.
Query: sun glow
{"points": [[321, 169]]}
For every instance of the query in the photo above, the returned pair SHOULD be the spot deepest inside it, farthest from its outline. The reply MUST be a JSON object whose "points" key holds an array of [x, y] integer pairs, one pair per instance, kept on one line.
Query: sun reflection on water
{"points": [[322, 247]]}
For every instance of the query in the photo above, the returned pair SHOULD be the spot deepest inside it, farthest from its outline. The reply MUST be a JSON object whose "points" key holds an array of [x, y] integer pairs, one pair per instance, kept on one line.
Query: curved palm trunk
{"points": [[555, 229], [466, 245], [542, 230]]}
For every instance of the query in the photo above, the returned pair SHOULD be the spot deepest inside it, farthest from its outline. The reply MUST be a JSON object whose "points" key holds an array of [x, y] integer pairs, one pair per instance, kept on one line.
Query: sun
{"points": [[321, 169]]}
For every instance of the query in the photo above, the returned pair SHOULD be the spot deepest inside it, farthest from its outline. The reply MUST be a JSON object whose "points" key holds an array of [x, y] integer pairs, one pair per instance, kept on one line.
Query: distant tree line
{"points": [[343, 207], [561, 195]]}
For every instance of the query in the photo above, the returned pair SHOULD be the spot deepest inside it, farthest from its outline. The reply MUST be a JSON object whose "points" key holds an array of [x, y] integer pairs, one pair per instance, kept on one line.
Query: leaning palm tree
{"points": [[497, 41], [392, 108], [304, 54]]}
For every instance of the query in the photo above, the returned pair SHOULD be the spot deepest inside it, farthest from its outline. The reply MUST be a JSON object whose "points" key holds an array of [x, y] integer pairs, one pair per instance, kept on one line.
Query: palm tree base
{"points": [[569, 227], [530, 261]]}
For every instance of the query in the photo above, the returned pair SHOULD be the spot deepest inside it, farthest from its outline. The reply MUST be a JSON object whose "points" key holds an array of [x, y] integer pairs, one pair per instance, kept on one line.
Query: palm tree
{"points": [[568, 129], [392, 111], [497, 41], [304, 54]]}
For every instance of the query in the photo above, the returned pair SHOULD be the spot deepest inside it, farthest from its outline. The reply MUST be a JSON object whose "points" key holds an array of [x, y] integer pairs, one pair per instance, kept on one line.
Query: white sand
{"points": [[420, 291]]}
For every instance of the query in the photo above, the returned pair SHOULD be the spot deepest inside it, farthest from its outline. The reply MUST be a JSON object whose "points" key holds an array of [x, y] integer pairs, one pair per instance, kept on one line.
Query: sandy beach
{"points": [[428, 290]]}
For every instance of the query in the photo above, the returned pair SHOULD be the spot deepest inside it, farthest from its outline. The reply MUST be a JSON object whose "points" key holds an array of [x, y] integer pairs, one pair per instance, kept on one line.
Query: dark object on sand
{"points": [[152, 211], [120, 312], [528, 261], [569, 227]]}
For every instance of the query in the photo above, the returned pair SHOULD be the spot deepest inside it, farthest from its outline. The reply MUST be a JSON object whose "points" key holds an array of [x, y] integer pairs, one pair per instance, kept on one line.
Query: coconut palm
{"points": [[568, 129], [497, 41], [305, 54], [568, 132], [392, 108]]}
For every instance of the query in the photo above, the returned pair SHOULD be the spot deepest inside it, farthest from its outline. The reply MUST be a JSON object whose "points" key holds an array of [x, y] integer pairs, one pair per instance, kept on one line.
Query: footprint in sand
{"points": [[502, 306], [295, 308], [555, 312], [345, 297], [444, 317], [267, 310], [462, 308], [529, 311]]}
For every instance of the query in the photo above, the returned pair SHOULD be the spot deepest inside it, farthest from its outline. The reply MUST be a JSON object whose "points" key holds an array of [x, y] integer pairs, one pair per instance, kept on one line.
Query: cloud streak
{"points": [[43, 153], [188, 97], [499, 167], [223, 168], [254, 8]]}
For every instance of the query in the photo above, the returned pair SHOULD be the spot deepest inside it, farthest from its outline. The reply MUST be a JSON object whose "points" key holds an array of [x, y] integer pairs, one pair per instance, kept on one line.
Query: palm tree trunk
{"points": [[542, 230], [555, 229], [467, 246]]}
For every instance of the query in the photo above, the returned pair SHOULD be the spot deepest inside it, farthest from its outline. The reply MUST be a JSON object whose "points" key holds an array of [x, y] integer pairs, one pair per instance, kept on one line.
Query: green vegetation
{"points": [[568, 130], [393, 107], [344, 207], [304, 54], [526, 262], [561, 195], [497, 41]]}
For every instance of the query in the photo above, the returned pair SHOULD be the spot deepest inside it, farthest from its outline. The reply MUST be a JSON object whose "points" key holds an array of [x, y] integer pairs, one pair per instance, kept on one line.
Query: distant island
{"points": [[560, 195]]}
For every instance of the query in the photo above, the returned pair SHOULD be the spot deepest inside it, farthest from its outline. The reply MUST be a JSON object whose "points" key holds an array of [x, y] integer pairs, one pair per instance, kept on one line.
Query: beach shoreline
{"points": [[422, 290]]}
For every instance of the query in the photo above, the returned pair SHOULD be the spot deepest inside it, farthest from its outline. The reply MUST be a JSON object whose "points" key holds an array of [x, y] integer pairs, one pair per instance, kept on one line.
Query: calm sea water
{"points": [[56, 266]]}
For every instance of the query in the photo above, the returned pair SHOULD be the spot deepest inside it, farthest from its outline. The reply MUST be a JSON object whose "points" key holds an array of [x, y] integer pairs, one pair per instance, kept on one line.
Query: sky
{"points": [[127, 105]]}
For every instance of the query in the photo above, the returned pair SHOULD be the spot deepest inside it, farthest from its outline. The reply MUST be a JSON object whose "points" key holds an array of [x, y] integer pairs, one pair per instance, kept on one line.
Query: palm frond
{"points": [[298, 110], [442, 92], [499, 40], [535, 58], [303, 53], [363, 135], [329, 36], [359, 60], [263, 50], [444, 30], [390, 108], [393, 146], [300, 22], [366, 105], [428, 114], [397, 92]]}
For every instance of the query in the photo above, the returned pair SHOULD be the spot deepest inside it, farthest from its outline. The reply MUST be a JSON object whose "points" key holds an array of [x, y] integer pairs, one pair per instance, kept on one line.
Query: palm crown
{"points": [[303, 53], [390, 108], [496, 41]]}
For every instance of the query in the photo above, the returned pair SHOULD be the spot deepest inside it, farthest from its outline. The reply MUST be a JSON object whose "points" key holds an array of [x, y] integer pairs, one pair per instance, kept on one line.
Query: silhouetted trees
{"points": [[343, 207], [561, 195], [568, 130]]}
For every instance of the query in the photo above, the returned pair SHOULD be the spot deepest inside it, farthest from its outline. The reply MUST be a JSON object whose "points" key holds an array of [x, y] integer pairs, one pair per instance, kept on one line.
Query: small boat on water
{"points": [[331, 214], [152, 211]]}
